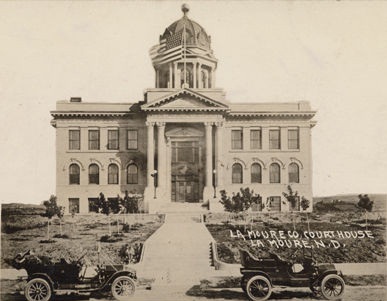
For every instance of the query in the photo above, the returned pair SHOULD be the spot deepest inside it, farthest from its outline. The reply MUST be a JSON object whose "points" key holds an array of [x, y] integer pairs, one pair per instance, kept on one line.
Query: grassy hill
{"points": [[348, 201], [21, 209]]}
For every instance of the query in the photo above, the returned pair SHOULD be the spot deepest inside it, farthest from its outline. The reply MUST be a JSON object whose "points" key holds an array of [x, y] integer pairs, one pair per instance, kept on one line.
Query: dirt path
{"points": [[181, 293]]}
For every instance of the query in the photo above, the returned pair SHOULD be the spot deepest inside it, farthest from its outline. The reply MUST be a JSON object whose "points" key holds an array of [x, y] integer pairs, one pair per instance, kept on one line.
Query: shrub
{"points": [[241, 201], [47, 241], [64, 236], [110, 239]]}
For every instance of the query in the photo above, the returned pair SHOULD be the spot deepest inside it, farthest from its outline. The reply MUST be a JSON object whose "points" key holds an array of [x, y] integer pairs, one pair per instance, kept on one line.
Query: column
{"points": [[208, 191], [219, 153], [157, 78], [211, 81], [200, 76], [194, 74], [170, 85], [209, 153], [150, 154], [161, 153], [175, 74]]}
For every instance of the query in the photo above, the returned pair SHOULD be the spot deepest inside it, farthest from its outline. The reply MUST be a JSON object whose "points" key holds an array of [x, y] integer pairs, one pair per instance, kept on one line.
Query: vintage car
{"points": [[261, 274], [46, 278]]}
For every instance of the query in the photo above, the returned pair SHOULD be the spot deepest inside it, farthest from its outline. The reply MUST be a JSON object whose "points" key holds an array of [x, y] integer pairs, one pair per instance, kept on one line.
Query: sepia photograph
{"points": [[193, 150]]}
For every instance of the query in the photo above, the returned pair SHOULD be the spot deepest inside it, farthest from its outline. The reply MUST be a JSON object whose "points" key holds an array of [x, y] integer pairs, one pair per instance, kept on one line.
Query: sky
{"points": [[331, 53]]}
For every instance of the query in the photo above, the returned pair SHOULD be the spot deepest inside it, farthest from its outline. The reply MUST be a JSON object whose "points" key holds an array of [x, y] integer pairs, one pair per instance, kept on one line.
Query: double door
{"points": [[186, 166]]}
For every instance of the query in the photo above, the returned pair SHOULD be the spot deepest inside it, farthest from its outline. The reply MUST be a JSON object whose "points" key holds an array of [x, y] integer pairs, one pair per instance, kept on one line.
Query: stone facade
{"points": [[184, 142]]}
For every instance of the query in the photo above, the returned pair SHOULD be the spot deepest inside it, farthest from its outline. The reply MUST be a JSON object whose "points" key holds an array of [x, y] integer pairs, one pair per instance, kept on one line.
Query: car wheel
{"points": [[332, 287], [258, 288], [37, 289], [123, 287]]}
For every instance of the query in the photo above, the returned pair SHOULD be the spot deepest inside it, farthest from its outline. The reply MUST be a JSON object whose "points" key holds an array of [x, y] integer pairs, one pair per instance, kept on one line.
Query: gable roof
{"points": [[185, 100]]}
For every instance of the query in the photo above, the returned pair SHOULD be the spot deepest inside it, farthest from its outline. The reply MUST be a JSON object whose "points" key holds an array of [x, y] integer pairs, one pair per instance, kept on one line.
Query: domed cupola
{"points": [[195, 35], [184, 49]]}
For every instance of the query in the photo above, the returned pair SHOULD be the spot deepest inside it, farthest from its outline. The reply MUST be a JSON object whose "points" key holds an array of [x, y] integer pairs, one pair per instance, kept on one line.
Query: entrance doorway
{"points": [[186, 163]]}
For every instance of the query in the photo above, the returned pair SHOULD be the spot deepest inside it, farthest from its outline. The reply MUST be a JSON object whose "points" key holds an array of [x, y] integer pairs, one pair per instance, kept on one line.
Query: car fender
{"points": [[43, 276], [325, 273], [108, 282], [250, 274]]}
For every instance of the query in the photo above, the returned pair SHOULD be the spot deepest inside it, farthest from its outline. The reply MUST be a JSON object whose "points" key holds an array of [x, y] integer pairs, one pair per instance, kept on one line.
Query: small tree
{"points": [[366, 205], [52, 209], [292, 198], [60, 215], [104, 207], [305, 204], [241, 201]]}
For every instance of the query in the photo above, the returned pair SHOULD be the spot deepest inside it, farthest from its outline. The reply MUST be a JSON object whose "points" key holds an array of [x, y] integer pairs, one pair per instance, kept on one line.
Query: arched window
{"points": [[113, 174], [188, 76], [132, 175], [275, 173], [74, 174], [256, 173], [294, 173], [237, 174], [93, 174], [204, 79]]}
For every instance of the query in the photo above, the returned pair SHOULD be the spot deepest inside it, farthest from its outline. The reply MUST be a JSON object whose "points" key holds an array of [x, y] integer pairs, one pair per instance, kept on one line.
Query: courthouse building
{"points": [[184, 142]]}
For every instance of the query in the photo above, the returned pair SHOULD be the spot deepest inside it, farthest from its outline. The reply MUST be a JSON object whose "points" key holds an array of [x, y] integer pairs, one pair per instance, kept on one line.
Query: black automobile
{"points": [[261, 274], [46, 278]]}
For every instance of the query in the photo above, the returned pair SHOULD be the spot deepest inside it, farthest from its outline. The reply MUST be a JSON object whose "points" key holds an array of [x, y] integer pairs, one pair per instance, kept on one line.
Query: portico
{"points": [[185, 156]]}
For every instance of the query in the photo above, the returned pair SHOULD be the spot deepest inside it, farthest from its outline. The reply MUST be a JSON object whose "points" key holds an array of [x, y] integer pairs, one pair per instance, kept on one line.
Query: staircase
{"points": [[178, 252]]}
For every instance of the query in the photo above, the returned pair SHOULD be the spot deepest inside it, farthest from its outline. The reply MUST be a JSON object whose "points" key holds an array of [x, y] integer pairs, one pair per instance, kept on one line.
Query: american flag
{"points": [[169, 49]]}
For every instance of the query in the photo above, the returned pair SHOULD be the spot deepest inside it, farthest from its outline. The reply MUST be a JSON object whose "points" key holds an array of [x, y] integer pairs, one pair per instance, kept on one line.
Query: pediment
{"points": [[185, 100], [184, 132]]}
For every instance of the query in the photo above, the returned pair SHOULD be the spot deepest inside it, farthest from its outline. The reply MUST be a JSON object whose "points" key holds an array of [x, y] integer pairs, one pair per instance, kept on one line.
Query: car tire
{"points": [[37, 289], [258, 288], [332, 287], [123, 287]]}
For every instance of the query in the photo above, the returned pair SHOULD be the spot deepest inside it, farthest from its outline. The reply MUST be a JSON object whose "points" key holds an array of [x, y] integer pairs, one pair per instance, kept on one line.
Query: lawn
{"points": [[232, 235], [79, 234]]}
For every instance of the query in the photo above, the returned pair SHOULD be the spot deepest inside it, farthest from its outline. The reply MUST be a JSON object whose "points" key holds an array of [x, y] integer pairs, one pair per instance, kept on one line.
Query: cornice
{"points": [[309, 114], [89, 114]]}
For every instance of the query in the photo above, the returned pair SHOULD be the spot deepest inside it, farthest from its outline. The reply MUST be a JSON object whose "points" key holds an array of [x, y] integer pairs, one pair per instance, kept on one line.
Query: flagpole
{"points": [[184, 55]]}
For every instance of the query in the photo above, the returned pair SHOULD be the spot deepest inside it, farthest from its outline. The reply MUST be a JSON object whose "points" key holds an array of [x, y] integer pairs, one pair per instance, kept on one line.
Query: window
{"points": [[74, 205], [93, 139], [255, 139], [293, 139], [256, 173], [275, 173], [274, 139], [113, 140], [132, 139], [294, 173], [93, 174], [74, 139], [132, 176], [74, 174], [93, 204], [296, 205], [237, 175], [113, 174], [275, 203], [236, 139]]}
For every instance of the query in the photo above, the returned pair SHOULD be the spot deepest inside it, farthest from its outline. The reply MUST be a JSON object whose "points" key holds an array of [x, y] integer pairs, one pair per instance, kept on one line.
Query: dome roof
{"points": [[195, 35]]}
